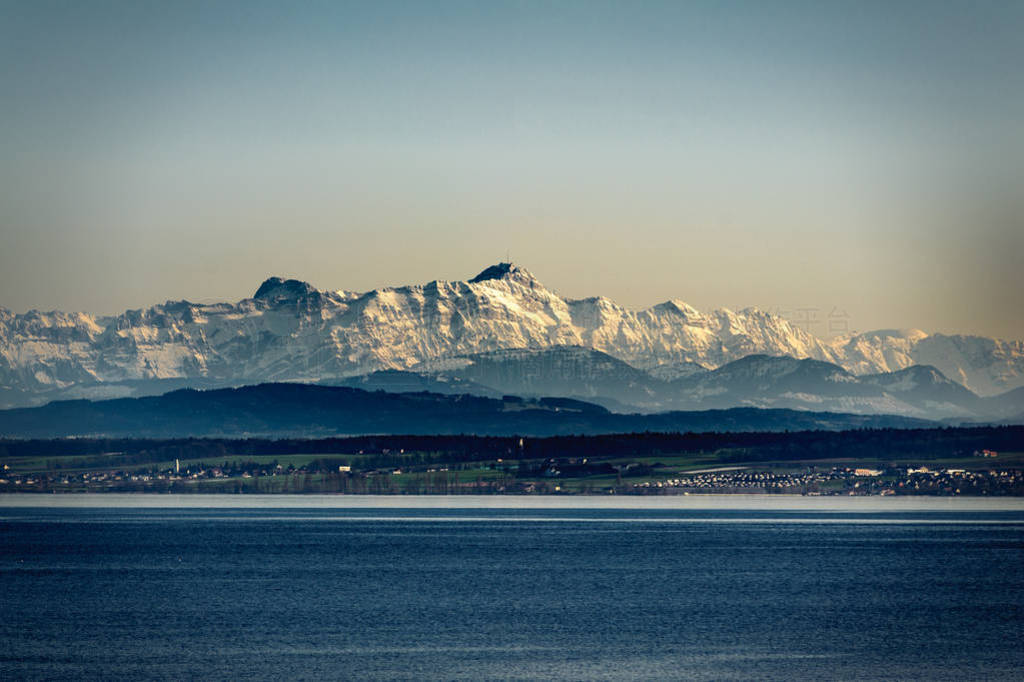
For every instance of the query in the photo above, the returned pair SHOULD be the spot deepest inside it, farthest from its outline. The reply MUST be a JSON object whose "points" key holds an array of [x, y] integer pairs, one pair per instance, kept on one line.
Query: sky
{"points": [[856, 161]]}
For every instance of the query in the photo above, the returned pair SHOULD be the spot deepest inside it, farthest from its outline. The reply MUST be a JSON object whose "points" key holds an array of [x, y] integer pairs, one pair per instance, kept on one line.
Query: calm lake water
{"points": [[406, 588]]}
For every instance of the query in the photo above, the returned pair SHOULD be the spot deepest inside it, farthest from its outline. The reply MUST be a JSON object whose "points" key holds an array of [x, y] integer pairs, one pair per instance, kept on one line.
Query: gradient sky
{"points": [[862, 156]]}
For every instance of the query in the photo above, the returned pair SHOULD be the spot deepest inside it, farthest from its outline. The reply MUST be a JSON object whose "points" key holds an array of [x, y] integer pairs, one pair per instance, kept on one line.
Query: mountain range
{"points": [[753, 381], [480, 335]]}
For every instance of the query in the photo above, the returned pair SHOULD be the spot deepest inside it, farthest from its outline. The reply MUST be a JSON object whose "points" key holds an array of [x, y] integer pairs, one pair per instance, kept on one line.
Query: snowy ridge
{"points": [[290, 331]]}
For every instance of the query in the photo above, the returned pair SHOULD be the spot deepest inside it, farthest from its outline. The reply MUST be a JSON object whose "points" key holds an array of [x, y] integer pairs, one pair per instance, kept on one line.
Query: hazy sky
{"points": [[867, 157]]}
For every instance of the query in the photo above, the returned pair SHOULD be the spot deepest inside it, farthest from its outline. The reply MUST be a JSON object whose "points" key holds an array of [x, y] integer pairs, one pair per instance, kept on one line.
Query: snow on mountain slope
{"points": [[765, 381], [290, 331], [986, 366]]}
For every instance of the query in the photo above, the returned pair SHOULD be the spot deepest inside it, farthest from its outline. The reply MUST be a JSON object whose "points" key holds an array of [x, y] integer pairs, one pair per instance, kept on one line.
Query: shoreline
{"points": [[773, 502]]}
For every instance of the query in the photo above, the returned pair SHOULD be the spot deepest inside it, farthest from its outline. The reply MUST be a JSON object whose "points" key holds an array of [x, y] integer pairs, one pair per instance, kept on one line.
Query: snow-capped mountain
{"points": [[986, 366], [290, 331]]}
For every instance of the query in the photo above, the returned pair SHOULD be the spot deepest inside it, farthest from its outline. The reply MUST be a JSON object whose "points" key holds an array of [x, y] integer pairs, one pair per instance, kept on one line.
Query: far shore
{"points": [[774, 502]]}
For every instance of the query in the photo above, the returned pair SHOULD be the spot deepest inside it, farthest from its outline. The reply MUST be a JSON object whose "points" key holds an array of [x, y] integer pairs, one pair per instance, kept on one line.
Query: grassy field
{"points": [[72, 463]]}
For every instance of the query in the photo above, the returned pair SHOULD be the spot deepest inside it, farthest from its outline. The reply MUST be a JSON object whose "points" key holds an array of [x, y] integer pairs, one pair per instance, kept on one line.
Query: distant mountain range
{"points": [[754, 381], [303, 410], [502, 332]]}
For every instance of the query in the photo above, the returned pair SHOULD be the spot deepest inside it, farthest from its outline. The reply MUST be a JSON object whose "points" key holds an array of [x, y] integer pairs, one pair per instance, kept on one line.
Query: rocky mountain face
{"points": [[290, 331]]}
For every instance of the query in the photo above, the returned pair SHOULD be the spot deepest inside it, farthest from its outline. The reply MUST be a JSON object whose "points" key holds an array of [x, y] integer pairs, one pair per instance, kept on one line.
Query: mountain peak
{"points": [[277, 288], [678, 307], [502, 271]]}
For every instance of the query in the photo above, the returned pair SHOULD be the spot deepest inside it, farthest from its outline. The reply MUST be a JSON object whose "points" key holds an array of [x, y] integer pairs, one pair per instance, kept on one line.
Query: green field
{"points": [[73, 463]]}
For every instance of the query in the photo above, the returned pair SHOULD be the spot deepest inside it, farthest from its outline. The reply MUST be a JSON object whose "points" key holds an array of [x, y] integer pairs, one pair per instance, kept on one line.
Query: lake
{"points": [[724, 587]]}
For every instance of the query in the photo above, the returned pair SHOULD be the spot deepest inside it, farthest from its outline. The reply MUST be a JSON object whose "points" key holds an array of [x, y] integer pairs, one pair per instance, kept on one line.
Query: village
{"points": [[550, 476], [847, 481]]}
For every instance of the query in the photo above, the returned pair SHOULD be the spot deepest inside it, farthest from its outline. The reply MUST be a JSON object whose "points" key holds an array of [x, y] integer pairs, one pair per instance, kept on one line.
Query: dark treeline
{"points": [[383, 451]]}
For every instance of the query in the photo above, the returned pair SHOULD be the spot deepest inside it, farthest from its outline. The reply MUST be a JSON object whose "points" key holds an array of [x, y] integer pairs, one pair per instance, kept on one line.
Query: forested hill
{"points": [[403, 450], [289, 410]]}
